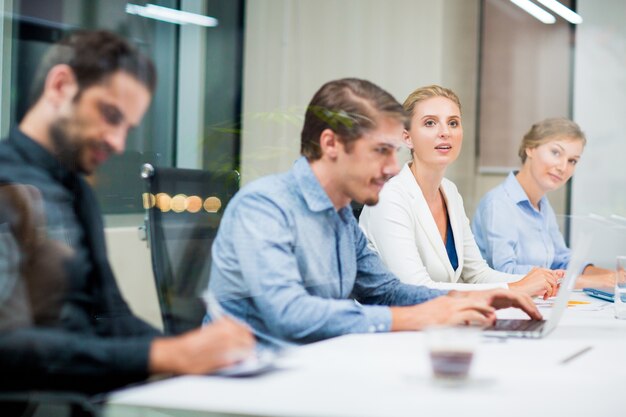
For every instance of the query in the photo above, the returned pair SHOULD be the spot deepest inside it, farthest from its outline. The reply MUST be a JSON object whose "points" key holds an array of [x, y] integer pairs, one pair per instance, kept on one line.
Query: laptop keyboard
{"points": [[517, 325]]}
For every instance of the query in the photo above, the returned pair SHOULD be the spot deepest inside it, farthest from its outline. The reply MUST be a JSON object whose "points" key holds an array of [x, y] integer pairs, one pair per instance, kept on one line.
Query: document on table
{"points": [[263, 361], [586, 305]]}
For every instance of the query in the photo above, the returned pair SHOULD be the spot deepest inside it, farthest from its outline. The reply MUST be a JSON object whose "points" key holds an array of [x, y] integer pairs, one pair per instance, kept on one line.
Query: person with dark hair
{"points": [[289, 258], [93, 56], [64, 324]]}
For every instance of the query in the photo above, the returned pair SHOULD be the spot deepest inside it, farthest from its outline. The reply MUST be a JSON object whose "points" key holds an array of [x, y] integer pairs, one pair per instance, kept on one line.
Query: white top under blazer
{"points": [[402, 230]]}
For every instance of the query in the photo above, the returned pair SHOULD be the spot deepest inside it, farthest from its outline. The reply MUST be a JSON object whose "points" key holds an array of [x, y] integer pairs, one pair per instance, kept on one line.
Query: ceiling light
{"points": [[166, 14], [534, 10], [562, 11]]}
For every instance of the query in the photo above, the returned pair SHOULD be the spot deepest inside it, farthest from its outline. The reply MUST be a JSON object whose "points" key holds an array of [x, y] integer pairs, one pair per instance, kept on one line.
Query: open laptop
{"points": [[536, 329]]}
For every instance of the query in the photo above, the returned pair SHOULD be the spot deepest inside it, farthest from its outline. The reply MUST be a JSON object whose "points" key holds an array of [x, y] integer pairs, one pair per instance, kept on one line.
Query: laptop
{"points": [[536, 329]]}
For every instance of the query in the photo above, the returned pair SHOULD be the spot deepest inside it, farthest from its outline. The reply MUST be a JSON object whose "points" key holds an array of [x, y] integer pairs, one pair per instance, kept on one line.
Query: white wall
{"points": [[130, 260], [600, 108], [292, 47], [599, 185]]}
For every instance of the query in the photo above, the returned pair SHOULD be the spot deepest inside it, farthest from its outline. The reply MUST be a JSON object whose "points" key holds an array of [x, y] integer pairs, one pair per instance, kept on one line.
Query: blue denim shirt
{"points": [[293, 268], [513, 236]]}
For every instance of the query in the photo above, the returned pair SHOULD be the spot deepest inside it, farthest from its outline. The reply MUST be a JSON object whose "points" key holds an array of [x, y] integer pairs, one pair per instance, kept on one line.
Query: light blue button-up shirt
{"points": [[291, 266], [513, 236]]}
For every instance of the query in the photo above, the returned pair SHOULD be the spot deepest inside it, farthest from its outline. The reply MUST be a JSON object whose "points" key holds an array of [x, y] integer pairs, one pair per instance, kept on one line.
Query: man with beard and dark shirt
{"points": [[64, 324]]}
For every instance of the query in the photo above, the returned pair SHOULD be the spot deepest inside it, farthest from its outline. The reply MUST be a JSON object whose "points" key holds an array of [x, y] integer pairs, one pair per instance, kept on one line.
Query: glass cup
{"points": [[620, 288], [451, 350]]}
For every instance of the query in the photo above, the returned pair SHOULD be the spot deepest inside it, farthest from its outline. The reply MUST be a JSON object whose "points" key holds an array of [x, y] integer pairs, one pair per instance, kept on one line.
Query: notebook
{"points": [[539, 328], [606, 295], [261, 361]]}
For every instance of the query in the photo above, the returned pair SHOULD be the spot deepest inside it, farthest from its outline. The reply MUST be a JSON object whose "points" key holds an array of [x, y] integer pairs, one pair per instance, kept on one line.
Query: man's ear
{"points": [[60, 86], [406, 138], [329, 143]]}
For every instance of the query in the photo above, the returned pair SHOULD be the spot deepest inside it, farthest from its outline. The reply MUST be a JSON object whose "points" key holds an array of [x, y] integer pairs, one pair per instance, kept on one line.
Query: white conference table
{"points": [[388, 375]]}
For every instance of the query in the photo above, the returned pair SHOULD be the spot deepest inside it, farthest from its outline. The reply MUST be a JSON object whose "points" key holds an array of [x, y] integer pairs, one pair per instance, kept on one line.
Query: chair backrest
{"points": [[184, 208]]}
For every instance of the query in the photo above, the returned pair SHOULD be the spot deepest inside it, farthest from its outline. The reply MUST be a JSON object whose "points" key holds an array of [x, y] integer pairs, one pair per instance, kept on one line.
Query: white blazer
{"points": [[402, 230]]}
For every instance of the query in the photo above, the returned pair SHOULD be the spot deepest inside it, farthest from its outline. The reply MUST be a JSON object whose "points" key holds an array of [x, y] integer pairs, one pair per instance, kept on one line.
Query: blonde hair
{"points": [[548, 130], [429, 91]]}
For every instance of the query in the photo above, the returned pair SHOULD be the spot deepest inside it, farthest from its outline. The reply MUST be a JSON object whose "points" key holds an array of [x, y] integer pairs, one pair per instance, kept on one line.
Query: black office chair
{"points": [[183, 209]]}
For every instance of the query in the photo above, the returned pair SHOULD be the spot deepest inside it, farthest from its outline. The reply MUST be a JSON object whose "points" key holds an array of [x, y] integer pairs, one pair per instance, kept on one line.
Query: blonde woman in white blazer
{"points": [[419, 226]]}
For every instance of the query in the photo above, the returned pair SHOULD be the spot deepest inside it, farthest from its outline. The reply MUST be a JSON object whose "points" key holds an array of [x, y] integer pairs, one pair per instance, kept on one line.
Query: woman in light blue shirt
{"points": [[515, 226]]}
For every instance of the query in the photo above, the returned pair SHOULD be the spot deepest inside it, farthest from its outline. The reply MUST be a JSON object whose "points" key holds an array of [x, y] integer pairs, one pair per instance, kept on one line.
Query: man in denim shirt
{"points": [[289, 258]]}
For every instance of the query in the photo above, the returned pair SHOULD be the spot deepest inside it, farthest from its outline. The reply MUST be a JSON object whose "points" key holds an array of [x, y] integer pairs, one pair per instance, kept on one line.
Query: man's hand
{"points": [[221, 343], [461, 307], [539, 281], [501, 298], [442, 310]]}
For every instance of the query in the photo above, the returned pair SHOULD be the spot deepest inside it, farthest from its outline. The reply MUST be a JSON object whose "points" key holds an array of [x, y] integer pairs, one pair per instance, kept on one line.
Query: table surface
{"points": [[375, 375]]}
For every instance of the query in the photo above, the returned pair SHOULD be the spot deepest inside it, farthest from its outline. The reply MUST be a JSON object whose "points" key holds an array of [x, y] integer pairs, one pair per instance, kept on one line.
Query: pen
{"points": [[215, 310], [575, 355]]}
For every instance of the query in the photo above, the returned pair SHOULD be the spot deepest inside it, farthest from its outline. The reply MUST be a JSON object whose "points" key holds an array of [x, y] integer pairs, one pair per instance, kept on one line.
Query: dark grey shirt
{"points": [[63, 321]]}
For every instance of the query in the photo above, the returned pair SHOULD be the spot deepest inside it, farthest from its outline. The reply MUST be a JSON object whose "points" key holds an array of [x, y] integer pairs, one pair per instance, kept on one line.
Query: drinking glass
{"points": [[451, 350]]}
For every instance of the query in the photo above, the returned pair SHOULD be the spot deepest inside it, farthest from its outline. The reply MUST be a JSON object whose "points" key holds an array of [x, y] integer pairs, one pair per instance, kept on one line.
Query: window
{"points": [[193, 120]]}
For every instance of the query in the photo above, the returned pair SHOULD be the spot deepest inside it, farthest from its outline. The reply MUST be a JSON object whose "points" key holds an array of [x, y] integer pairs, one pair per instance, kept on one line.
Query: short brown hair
{"points": [[429, 91], [93, 56], [350, 107], [548, 130]]}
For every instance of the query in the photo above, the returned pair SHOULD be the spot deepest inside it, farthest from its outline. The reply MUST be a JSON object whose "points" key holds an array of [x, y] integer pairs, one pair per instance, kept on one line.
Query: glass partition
{"points": [[189, 58]]}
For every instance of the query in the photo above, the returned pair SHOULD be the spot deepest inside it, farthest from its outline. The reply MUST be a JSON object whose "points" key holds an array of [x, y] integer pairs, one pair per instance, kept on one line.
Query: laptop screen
{"points": [[577, 262]]}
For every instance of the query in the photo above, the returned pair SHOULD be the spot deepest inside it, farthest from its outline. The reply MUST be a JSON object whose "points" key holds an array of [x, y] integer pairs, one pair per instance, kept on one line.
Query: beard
{"points": [[68, 146]]}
